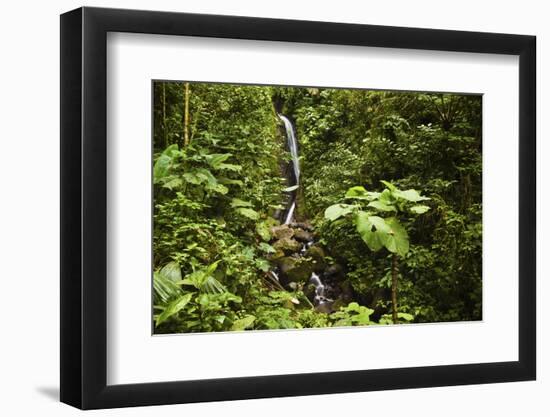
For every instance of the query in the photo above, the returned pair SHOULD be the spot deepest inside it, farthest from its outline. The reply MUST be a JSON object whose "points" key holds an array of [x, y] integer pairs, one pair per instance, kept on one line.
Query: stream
{"points": [[320, 300]]}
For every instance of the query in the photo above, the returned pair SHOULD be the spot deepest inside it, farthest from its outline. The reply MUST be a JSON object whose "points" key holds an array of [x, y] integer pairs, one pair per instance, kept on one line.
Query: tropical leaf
{"points": [[242, 324], [263, 228], [215, 159], [364, 228], [191, 178], [171, 271], [419, 209], [397, 240], [389, 186], [248, 212], [204, 281], [173, 308], [236, 202], [266, 247], [164, 289], [358, 192], [230, 167], [338, 210], [409, 195], [161, 168], [405, 316], [164, 161], [173, 183], [379, 205]]}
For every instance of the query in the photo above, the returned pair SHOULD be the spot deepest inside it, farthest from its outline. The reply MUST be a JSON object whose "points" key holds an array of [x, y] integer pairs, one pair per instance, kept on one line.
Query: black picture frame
{"points": [[84, 207]]}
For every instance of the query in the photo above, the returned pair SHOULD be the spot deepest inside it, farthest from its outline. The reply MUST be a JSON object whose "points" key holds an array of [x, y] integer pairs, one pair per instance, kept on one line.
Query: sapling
{"points": [[377, 217]]}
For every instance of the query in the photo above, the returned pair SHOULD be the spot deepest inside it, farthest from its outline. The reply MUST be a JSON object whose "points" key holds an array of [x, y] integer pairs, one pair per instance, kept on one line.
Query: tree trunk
{"points": [[186, 117], [394, 287]]}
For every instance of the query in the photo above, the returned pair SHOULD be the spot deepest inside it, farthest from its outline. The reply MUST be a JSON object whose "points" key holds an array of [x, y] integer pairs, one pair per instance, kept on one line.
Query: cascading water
{"points": [[320, 299], [292, 144]]}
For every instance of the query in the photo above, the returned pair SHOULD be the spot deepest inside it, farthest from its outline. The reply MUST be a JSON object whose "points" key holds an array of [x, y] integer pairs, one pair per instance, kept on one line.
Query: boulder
{"points": [[317, 255], [304, 226], [295, 269], [303, 235], [287, 245], [281, 232]]}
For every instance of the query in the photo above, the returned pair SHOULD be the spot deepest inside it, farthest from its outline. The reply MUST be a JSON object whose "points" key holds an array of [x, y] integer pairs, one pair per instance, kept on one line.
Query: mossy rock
{"points": [[317, 255], [295, 269], [282, 232], [303, 235], [287, 245]]}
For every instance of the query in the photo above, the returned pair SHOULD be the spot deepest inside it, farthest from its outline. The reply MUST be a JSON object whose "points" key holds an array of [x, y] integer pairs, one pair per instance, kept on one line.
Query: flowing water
{"points": [[320, 300], [292, 144]]}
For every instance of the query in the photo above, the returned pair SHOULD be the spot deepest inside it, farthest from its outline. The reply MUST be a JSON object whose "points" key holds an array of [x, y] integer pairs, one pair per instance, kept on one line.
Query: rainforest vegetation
{"points": [[289, 208]]}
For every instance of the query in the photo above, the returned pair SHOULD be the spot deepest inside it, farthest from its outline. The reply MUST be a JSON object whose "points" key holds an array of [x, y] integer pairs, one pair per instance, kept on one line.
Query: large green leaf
{"points": [[358, 192], [217, 188], [161, 168], [409, 195], [204, 281], [419, 209], [192, 178], [380, 224], [263, 228], [379, 205], [173, 308], [229, 181], [248, 212], [164, 289], [206, 176], [172, 183], [162, 165], [397, 240], [364, 228], [215, 159], [389, 186], [237, 202], [171, 271], [338, 210], [230, 167]]}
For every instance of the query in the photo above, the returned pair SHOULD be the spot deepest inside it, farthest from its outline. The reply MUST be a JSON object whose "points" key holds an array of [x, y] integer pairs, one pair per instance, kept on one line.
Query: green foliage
{"points": [[352, 315], [378, 232], [215, 198]]}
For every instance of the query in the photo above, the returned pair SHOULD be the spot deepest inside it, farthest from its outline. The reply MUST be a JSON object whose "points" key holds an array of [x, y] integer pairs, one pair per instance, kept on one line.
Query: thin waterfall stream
{"points": [[292, 144], [320, 299]]}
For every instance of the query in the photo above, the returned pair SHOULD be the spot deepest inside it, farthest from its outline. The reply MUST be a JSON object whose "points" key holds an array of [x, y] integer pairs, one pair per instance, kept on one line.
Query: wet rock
{"points": [[295, 269], [325, 307], [317, 255], [287, 245], [303, 235], [281, 232], [304, 226]]}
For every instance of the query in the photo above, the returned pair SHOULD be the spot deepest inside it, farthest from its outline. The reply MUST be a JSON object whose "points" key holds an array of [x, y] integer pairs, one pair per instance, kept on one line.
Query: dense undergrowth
{"points": [[219, 154]]}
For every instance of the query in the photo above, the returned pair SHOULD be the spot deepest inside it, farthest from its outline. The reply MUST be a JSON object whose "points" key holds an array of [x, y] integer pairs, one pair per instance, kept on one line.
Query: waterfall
{"points": [[292, 144], [320, 299]]}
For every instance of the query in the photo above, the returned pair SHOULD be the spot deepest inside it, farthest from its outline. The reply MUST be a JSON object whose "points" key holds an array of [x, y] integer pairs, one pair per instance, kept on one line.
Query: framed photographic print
{"points": [[255, 208]]}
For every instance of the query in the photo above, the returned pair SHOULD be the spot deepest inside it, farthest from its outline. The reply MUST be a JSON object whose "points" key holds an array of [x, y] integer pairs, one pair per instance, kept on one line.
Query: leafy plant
{"points": [[382, 232], [352, 315]]}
